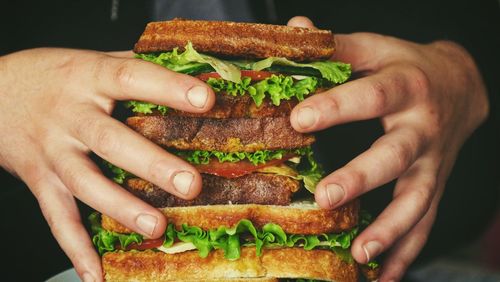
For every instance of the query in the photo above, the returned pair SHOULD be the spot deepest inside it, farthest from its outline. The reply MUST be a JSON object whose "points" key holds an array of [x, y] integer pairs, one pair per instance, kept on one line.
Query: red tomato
{"points": [[254, 75], [233, 170], [146, 244]]}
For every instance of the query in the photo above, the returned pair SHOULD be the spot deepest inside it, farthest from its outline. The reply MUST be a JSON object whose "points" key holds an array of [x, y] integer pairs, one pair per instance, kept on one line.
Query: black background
{"points": [[31, 253]]}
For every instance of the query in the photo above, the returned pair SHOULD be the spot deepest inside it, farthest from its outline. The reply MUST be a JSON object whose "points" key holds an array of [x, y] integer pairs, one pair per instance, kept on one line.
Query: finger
{"points": [[122, 54], [365, 98], [300, 21], [413, 195], [133, 79], [364, 51], [388, 158], [406, 250], [61, 212], [125, 148], [86, 182]]}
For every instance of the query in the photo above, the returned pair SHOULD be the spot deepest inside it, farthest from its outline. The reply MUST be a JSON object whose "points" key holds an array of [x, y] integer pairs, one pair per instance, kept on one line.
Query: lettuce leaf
{"points": [[145, 107], [258, 157], [119, 174], [106, 241], [335, 72], [228, 239], [191, 62], [310, 175], [277, 87]]}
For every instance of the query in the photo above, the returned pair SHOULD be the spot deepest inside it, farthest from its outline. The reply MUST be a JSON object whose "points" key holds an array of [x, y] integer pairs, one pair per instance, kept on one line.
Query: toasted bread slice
{"points": [[254, 188], [243, 40], [227, 135], [188, 266], [294, 219]]}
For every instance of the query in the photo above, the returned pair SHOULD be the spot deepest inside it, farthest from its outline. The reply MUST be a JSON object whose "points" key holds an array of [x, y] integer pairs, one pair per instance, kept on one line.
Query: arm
{"points": [[55, 110], [429, 99]]}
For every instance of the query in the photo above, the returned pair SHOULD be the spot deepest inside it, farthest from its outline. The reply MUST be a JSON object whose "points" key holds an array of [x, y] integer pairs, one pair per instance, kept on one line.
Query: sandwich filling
{"points": [[273, 78], [230, 240]]}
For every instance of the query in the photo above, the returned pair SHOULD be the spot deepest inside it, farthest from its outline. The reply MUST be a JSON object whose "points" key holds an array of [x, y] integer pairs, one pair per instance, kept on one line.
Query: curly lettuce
{"points": [[145, 107], [256, 158], [228, 239], [276, 87]]}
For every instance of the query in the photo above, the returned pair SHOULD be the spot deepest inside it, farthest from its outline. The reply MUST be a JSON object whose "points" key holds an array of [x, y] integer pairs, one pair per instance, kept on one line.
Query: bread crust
{"points": [[188, 266], [254, 188], [226, 135], [293, 219], [242, 40]]}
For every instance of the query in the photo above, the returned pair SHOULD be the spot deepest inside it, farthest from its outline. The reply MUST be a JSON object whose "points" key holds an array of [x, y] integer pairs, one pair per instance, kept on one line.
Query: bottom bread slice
{"points": [[188, 266]]}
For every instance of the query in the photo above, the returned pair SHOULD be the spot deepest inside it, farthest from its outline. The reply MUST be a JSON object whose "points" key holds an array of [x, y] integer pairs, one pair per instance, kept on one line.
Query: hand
{"points": [[56, 106], [429, 98]]}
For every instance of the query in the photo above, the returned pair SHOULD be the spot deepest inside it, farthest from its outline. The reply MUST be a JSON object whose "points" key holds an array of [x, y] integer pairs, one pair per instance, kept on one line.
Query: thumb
{"points": [[364, 51], [301, 21]]}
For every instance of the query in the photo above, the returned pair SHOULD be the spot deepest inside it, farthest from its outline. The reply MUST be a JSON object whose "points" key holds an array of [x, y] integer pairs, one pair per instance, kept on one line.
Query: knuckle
{"points": [[124, 75], [400, 153], [106, 142], [157, 171], [377, 97], [101, 138], [420, 82], [330, 104], [352, 180]]}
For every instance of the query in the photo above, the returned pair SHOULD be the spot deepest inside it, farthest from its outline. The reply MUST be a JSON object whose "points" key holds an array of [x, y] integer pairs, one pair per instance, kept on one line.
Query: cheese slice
{"points": [[178, 247]]}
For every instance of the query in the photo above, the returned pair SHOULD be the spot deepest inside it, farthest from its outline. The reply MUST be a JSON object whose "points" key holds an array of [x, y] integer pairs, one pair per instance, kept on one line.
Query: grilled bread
{"points": [[242, 40], [294, 219], [188, 266]]}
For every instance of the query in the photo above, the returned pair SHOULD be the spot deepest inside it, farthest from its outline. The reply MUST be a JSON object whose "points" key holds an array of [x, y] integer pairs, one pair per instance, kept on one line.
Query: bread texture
{"points": [[293, 219], [241, 40], [227, 135], [188, 266], [254, 188]]}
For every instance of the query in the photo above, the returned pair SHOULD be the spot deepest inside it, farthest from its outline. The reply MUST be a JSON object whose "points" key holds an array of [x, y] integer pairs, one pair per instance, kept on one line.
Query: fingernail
{"points": [[306, 117], [87, 277], [147, 223], [197, 96], [335, 194], [372, 249], [182, 182]]}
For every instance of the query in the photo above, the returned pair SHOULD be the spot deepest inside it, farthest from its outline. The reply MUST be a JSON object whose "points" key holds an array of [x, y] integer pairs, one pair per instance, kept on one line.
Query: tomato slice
{"points": [[254, 75], [145, 245], [233, 170]]}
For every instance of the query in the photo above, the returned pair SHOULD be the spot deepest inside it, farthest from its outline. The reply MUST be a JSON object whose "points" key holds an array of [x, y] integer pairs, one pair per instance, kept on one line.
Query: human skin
{"points": [[56, 106], [429, 99]]}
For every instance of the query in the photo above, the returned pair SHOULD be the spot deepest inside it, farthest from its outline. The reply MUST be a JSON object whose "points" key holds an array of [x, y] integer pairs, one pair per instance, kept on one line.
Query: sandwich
{"points": [[255, 219]]}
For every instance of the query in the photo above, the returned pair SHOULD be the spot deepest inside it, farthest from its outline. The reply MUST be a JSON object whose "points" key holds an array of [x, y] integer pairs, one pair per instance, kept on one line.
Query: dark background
{"points": [[471, 196]]}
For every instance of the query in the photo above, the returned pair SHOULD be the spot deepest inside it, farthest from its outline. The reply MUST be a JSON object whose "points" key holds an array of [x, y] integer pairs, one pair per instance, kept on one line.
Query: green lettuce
{"points": [[191, 62], [311, 172], [335, 72], [258, 157], [229, 240], [119, 174], [106, 241], [277, 87], [145, 107]]}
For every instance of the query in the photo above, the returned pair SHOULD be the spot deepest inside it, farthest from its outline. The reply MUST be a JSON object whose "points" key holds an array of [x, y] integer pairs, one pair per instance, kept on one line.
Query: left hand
{"points": [[429, 98]]}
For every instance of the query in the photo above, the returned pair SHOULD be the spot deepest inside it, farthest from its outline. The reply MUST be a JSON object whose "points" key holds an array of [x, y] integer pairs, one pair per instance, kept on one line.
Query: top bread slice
{"points": [[241, 40]]}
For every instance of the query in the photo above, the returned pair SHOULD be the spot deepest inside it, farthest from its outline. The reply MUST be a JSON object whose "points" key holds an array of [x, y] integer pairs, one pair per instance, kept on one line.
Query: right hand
{"points": [[55, 109]]}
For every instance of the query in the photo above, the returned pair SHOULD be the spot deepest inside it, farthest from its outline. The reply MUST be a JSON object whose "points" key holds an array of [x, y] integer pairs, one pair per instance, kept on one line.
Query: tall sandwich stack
{"points": [[255, 219]]}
